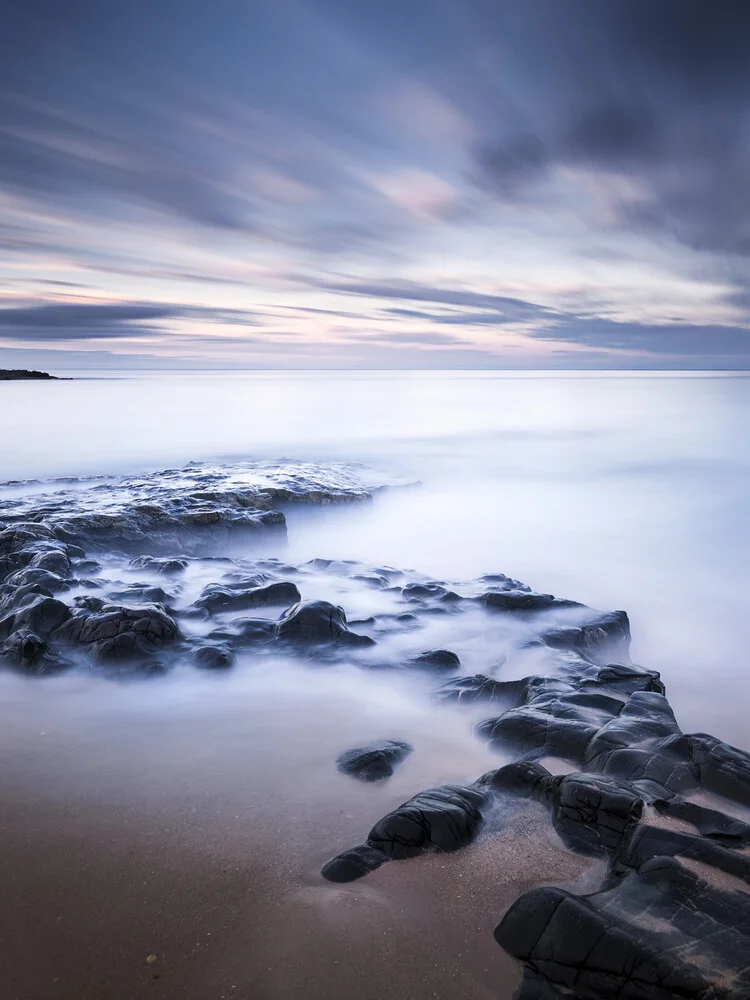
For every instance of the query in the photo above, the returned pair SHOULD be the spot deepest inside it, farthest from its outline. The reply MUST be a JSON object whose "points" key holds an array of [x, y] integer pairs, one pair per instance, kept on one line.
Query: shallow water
{"points": [[621, 490], [188, 815]]}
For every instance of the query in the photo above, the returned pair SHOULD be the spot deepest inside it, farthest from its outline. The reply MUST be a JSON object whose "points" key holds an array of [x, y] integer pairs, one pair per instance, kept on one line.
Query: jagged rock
{"points": [[659, 933], [606, 637], [374, 761], [118, 632], [438, 819], [217, 598], [24, 648], [435, 659], [314, 622], [38, 612]]}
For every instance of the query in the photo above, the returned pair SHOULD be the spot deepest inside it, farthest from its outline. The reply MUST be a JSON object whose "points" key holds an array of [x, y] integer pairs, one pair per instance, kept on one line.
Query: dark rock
{"points": [[606, 637], [169, 567], [374, 761], [117, 632], [218, 657], [435, 659], [217, 598], [317, 622], [13, 374], [476, 688], [521, 600], [39, 613], [24, 648], [439, 819], [353, 864], [244, 631]]}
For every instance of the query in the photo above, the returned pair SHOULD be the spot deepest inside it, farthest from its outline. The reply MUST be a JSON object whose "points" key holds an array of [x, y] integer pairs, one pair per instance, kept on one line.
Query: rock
{"points": [[11, 374], [435, 659], [374, 761], [24, 648], [218, 657], [39, 613], [29, 652], [217, 598], [604, 638], [316, 622], [658, 933], [168, 567], [439, 819], [521, 600], [118, 632], [480, 687]]}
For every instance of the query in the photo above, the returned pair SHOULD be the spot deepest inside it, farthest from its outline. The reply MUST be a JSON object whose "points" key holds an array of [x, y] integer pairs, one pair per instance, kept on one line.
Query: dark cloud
{"points": [[680, 340], [660, 100], [94, 321], [409, 291], [154, 138]]}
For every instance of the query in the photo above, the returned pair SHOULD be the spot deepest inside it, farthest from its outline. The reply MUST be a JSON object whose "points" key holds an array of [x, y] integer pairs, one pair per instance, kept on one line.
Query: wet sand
{"points": [[187, 818]]}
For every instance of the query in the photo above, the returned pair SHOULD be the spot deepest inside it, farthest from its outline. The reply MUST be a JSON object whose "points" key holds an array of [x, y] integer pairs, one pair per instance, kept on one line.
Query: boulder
{"points": [[439, 819], [218, 598], [317, 622], [374, 761], [441, 660], [119, 632]]}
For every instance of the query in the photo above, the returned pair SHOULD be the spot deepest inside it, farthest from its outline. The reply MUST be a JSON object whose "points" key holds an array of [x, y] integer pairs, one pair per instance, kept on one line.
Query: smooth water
{"points": [[621, 490], [186, 817]]}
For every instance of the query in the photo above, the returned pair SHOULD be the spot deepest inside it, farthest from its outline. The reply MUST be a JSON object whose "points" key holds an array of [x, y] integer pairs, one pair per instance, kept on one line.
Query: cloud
{"points": [[94, 321], [410, 291], [652, 339], [659, 101]]}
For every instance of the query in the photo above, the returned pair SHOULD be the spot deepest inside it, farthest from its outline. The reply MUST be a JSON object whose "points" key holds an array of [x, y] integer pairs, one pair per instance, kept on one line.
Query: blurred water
{"points": [[620, 490]]}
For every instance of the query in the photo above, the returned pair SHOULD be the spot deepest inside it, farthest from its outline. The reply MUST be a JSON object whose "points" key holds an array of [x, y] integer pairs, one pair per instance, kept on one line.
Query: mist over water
{"points": [[619, 490], [189, 814]]}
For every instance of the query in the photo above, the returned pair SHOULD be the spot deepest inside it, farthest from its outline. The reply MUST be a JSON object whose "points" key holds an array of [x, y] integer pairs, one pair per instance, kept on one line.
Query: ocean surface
{"points": [[621, 490], [186, 817]]}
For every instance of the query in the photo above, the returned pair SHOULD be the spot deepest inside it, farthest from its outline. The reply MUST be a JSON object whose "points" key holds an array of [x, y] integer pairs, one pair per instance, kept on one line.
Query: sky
{"points": [[552, 184]]}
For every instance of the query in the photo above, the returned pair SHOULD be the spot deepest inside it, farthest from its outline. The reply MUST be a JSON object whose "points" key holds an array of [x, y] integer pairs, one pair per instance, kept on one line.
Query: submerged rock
{"points": [[374, 761]]}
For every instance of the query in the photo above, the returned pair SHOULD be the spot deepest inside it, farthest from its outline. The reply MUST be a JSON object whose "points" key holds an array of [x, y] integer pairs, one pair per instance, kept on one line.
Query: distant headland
{"points": [[8, 374]]}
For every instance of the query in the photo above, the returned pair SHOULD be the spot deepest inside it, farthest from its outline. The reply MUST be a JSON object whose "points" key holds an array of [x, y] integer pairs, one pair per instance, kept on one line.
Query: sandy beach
{"points": [[154, 819]]}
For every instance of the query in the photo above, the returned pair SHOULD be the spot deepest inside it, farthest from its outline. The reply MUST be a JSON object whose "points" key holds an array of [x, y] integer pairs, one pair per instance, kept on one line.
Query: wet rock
{"points": [[428, 591], [40, 613], [168, 567], [439, 819], [24, 648], [142, 593], [521, 600], [375, 761], [218, 657], [245, 631], [118, 632], [218, 598], [658, 933], [442, 660], [317, 622], [605, 638], [353, 864]]}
